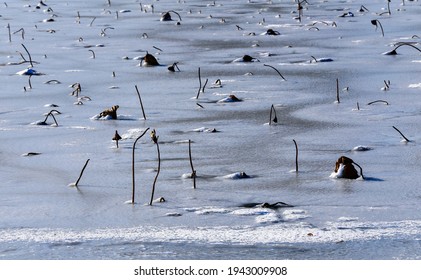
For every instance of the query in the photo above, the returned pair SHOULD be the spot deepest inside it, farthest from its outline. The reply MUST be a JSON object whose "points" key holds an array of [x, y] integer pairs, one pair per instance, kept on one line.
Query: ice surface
{"points": [[375, 218]]}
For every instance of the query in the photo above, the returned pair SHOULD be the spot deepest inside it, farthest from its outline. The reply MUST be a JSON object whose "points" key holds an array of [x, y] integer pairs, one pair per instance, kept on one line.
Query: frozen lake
{"points": [[100, 46]]}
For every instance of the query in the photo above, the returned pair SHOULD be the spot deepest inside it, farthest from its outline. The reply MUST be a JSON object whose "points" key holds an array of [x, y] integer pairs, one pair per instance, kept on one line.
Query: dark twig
{"points": [[10, 35], [337, 91], [141, 104], [296, 156], [22, 33], [154, 138], [406, 139], [203, 88], [29, 55], [81, 173], [133, 173], [200, 84], [92, 21], [193, 172], [275, 70]]}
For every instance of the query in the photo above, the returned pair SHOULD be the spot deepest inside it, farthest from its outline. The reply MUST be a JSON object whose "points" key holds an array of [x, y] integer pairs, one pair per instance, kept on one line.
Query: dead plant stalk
{"points": [[133, 158]]}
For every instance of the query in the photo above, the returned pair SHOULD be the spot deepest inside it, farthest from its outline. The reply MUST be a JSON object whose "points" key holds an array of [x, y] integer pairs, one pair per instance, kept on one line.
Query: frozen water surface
{"points": [[99, 47]]}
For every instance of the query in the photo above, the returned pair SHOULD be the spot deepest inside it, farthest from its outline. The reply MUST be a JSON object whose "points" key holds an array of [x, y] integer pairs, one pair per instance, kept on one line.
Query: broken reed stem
{"points": [[296, 156], [10, 35], [29, 55], [406, 139], [155, 139], [203, 88], [133, 173], [81, 173], [200, 84], [22, 33], [337, 91], [275, 70], [141, 104], [90, 25], [193, 172]]}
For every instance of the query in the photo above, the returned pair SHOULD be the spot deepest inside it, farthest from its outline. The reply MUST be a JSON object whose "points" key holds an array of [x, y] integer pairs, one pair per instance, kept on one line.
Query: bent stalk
{"points": [[133, 173]]}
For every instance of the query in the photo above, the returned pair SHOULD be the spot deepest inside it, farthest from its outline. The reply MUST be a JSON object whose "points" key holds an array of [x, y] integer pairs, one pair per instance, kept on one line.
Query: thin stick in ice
{"points": [[406, 139], [75, 184]]}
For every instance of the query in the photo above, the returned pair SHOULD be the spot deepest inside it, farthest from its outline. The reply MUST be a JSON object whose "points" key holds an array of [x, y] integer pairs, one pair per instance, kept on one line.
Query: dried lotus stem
{"points": [[133, 173], [275, 70], [406, 139], [193, 172], [140, 101], [81, 173], [154, 138], [296, 155]]}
